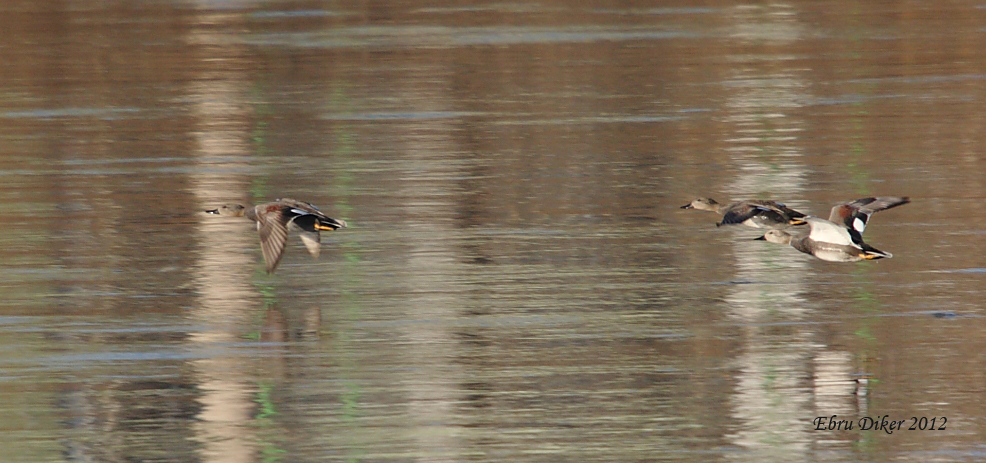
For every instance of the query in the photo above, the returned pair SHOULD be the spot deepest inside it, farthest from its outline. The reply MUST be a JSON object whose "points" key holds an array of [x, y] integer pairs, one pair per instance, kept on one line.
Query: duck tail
{"points": [[314, 223], [871, 253], [328, 223]]}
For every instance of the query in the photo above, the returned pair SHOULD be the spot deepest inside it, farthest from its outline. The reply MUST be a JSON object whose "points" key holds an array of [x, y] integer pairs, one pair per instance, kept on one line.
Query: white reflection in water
{"points": [[773, 397], [432, 382], [431, 36], [225, 295]]}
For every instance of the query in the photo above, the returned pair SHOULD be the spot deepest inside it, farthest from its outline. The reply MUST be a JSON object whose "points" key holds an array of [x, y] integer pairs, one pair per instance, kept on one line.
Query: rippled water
{"points": [[518, 282]]}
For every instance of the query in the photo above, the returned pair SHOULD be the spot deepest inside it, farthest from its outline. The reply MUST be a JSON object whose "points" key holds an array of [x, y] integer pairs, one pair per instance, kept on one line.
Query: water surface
{"points": [[518, 282]]}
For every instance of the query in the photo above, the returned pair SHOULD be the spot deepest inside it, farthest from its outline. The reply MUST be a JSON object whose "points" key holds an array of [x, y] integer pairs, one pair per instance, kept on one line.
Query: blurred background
{"points": [[518, 282]]}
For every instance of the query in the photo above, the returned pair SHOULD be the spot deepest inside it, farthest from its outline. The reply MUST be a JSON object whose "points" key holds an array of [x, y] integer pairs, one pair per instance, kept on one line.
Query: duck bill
{"points": [[213, 211], [796, 222], [762, 238], [686, 206]]}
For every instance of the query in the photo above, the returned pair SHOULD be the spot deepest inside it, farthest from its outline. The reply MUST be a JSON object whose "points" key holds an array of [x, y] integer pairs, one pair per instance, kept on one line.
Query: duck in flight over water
{"points": [[273, 221], [840, 238], [752, 213]]}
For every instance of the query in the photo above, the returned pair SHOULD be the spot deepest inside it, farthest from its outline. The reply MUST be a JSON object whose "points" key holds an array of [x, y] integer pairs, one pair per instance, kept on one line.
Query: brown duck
{"points": [[752, 213], [273, 221]]}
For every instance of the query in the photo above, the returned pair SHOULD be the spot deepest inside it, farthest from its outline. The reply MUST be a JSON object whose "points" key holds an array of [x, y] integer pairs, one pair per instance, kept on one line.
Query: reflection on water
{"points": [[517, 283], [772, 394], [218, 101]]}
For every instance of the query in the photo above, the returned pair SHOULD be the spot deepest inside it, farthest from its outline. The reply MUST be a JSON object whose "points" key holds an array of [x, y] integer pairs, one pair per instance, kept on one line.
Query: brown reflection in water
{"points": [[85, 157], [85, 238]]}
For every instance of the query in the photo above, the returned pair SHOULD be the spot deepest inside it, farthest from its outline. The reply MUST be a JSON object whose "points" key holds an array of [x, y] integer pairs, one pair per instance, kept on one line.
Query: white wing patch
{"points": [[858, 225], [300, 212], [827, 232]]}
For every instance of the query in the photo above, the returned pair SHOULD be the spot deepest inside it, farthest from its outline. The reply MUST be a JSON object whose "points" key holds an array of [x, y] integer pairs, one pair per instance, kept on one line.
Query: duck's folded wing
{"points": [[824, 231], [791, 213]]}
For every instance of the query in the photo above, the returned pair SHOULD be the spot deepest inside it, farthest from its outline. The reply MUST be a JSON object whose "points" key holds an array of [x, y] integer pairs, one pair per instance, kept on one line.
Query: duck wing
{"points": [[856, 214], [274, 220], [305, 226], [740, 212], [768, 211], [272, 226], [790, 213]]}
